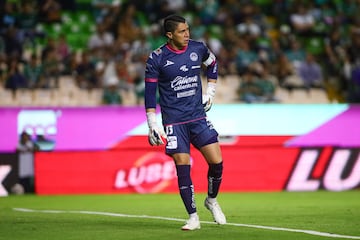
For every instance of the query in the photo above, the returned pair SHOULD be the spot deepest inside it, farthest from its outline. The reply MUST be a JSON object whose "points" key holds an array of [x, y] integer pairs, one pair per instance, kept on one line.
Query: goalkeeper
{"points": [[174, 69]]}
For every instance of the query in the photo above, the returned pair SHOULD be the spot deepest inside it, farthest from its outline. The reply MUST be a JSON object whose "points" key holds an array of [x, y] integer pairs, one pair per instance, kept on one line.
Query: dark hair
{"points": [[171, 22]]}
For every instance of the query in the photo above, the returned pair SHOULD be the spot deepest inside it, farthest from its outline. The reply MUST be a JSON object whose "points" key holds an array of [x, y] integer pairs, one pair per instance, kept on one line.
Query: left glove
{"points": [[156, 134], [207, 99]]}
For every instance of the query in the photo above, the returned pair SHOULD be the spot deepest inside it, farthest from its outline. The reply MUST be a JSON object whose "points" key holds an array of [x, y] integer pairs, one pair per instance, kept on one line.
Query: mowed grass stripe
{"points": [[321, 211], [311, 232]]}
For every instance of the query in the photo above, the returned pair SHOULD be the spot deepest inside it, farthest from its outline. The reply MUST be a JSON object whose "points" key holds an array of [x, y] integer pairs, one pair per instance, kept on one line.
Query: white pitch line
{"points": [[311, 232]]}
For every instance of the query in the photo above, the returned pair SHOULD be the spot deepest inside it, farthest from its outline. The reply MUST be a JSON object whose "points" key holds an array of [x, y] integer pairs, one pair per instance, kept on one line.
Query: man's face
{"points": [[180, 37]]}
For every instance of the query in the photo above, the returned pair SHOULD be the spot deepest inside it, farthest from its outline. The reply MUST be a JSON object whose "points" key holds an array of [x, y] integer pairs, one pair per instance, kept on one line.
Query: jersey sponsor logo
{"points": [[186, 93], [168, 63], [195, 67], [194, 57], [181, 83], [339, 172], [184, 68]]}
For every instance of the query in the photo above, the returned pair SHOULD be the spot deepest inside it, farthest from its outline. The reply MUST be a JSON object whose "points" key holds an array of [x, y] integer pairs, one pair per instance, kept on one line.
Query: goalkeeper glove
{"points": [[156, 134], [208, 98]]}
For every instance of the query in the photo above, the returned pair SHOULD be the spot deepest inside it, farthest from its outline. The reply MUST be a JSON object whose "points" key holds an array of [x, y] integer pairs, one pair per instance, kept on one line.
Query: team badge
{"points": [[194, 57]]}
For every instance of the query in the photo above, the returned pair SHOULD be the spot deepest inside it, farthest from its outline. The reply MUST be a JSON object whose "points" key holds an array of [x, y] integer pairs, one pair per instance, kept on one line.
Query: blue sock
{"points": [[186, 188], [214, 179]]}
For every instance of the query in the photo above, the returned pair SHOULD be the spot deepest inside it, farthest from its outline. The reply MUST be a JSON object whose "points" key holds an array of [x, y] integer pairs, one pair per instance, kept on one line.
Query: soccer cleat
{"points": [[191, 224], [216, 212]]}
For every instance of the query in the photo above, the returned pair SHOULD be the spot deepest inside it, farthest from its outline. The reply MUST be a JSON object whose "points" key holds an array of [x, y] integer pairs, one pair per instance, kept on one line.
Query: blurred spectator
{"points": [[139, 52], [207, 10], [50, 11], [62, 48], [106, 70], [128, 29], [197, 28], [140, 49], [26, 22], [311, 73], [13, 47], [126, 80], [111, 94], [8, 16], [85, 73], [101, 40], [25, 150], [286, 73], [15, 79], [250, 30], [176, 5], [213, 43], [285, 38], [226, 62], [268, 84], [296, 53], [155, 37], [48, 47], [353, 49], [102, 8], [245, 56], [335, 83], [33, 72], [3, 69], [353, 78], [2, 44], [348, 10], [302, 21], [354, 86], [52, 69], [249, 90]]}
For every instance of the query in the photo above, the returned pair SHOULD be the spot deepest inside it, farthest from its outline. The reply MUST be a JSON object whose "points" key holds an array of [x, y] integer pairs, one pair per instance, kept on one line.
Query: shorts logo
{"points": [[171, 142], [210, 125]]}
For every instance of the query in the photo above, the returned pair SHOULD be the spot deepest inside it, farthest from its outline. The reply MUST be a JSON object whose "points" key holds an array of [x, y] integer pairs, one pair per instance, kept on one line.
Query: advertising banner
{"points": [[100, 128], [8, 172], [266, 147], [249, 165]]}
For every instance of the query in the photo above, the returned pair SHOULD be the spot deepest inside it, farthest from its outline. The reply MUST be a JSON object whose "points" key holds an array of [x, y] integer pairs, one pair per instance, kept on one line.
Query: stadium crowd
{"points": [[102, 45]]}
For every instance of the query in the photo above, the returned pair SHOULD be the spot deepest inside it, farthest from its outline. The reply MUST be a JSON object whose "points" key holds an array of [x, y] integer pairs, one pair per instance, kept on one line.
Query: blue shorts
{"points": [[199, 133]]}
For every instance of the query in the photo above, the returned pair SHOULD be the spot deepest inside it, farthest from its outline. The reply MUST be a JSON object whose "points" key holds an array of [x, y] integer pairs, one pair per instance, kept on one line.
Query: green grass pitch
{"points": [[251, 216]]}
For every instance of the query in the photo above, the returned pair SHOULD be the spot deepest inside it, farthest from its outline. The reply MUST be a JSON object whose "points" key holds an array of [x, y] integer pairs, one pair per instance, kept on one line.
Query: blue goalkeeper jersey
{"points": [[177, 77]]}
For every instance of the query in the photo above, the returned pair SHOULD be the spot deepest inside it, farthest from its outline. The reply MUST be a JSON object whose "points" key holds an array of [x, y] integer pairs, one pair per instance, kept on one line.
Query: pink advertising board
{"points": [[101, 128]]}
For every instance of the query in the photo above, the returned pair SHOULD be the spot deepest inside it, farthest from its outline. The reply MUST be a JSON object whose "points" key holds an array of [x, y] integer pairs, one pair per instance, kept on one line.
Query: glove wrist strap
{"points": [[151, 119], [211, 88]]}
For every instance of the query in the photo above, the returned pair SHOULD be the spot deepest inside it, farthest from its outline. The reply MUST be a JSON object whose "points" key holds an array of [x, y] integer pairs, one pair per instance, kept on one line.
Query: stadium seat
{"points": [[314, 45], [43, 97], [6, 97], [24, 97]]}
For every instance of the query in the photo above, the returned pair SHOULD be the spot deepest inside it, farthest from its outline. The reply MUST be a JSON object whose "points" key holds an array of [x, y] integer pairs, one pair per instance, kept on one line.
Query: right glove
{"points": [[156, 134], [207, 99]]}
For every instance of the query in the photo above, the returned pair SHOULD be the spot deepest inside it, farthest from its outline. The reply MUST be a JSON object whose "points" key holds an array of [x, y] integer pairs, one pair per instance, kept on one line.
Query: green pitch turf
{"points": [[251, 216]]}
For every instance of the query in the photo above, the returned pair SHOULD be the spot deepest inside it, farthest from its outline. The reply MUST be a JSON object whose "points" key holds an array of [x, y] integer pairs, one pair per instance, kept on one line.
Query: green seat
{"points": [[315, 45], [77, 41]]}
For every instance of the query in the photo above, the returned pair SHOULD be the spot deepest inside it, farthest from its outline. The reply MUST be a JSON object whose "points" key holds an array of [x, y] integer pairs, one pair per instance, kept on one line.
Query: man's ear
{"points": [[169, 35]]}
